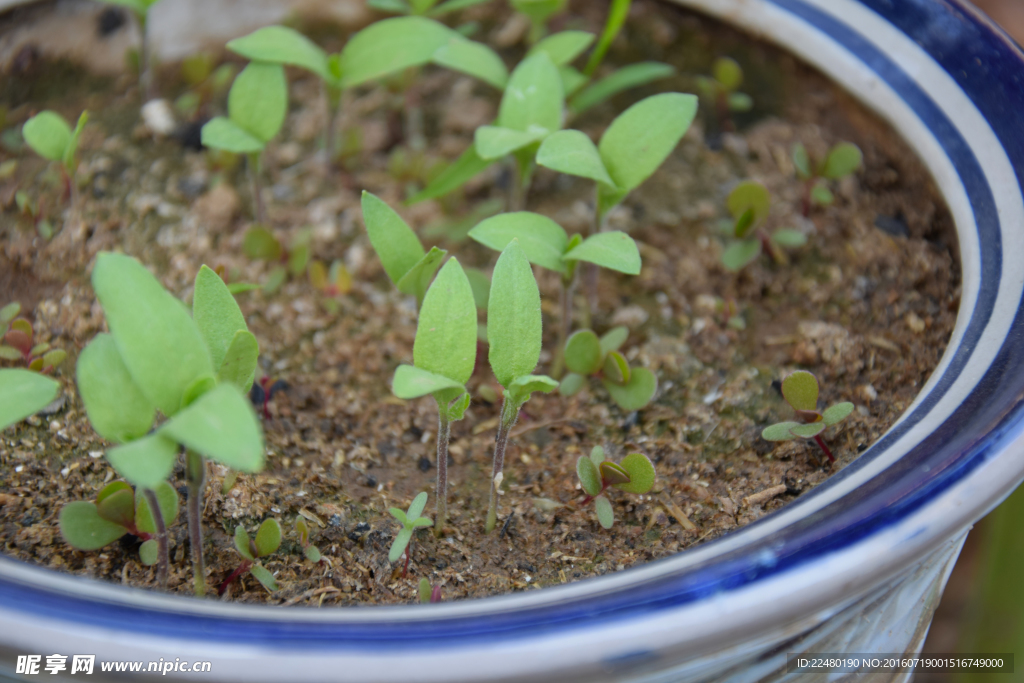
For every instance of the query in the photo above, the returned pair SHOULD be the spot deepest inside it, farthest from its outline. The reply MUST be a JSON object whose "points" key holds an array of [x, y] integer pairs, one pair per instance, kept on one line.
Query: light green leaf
{"points": [[54, 358], [242, 543], [453, 6], [494, 142], [216, 314], [739, 254], [446, 334], [83, 528], [222, 133], [268, 537], [389, 46], [572, 384], [614, 338], [259, 243], [513, 317], [597, 455], [149, 552], [727, 72], [417, 505], [605, 514], [613, 250], [23, 393], [455, 176], [617, 14], [118, 507], [837, 413], [69, 152], [421, 523], [394, 241], [744, 224], [583, 353], [842, 160], [523, 386], [787, 237], [749, 194], [637, 393], [613, 474], [800, 390], [533, 98], [541, 239], [282, 45], [739, 101], [264, 576], [457, 408], [417, 280], [258, 100], [641, 138], [631, 76], [781, 431], [539, 11], [9, 312], [563, 47], [312, 553], [480, 282], [412, 382], [421, 6], [572, 80], [615, 368], [802, 161], [239, 366], [641, 473], [144, 462], [808, 431], [590, 477], [572, 152], [166, 498], [48, 134], [400, 515], [473, 58], [398, 546], [222, 426], [821, 195], [396, 6]]}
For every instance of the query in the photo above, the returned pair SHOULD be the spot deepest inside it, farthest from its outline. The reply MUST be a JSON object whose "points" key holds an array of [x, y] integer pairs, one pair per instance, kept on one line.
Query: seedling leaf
{"points": [[461, 171], [216, 314], [802, 161], [389, 46], [641, 473], [417, 280], [480, 283], [453, 6], [239, 366], [258, 100], [583, 353], [739, 101], [842, 160], [282, 45], [533, 98], [494, 142], [401, 541], [474, 59], [800, 390], [417, 505], [613, 250], [223, 133], [394, 241], [739, 254], [617, 14], [457, 408], [612, 474], [83, 528], [144, 462], [118, 507], [166, 498], [781, 431], [268, 537], [727, 72], [400, 515], [514, 318], [614, 338], [837, 413], [542, 240], [563, 47], [116, 407], [616, 369], [312, 553], [806, 431], [749, 194], [627, 77], [260, 243], [242, 543], [149, 552], [264, 576], [9, 312], [744, 224], [590, 476], [787, 237], [110, 489], [821, 195], [412, 382], [597, 455], [48, 134], [637, 393], [605, 514], [572, 384], [446, 335], [572, 152], [222, 426], [523, 386], [572, 80]]}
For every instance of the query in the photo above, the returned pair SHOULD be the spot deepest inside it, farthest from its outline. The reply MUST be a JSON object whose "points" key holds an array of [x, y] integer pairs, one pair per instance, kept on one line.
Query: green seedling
{"points": [[331, 282], [444, 355], [116, 512], [50, 136], [428, 8], [311, 552], [24, 393], [257, 104], [514, 331], [35, 212], [722, 89], [428, 593], [749, 204], [546, 244], [841, 161], [635, 474], [800, 390], [407, 263], [140, 8], [586, 355], [195, 369], [261, 244], [17, 342], [267, 541], [411, 521], [538, 12]]}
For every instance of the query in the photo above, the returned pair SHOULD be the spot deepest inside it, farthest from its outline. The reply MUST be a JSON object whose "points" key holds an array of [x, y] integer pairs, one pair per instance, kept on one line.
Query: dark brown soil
{"points": [[868, 310]]}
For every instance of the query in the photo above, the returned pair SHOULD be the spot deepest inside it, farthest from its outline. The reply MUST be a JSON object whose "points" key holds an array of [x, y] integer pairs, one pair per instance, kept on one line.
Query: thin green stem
{"points": [[443, 435], [332, 101], [565, 328], [509, 414], [195, 475], [260, 213], [162, 556]]}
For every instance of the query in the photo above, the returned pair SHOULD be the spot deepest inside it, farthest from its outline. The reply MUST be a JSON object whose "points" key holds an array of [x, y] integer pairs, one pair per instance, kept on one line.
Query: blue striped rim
{"points": [[988, 68]]}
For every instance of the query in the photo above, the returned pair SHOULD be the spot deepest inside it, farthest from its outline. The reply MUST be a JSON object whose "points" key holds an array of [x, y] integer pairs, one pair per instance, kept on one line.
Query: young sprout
{"points": [[444, 355], [24, 393], [721, 88], [260, 244], [195, 369], [405, 260], [421, 8], [749, 204], [411, 521], [119, 511], [800, 390], [257, 104], [841, 161], [50, 136], [17, 343], [635, 474], [267, 541], [428, 593], [538, 12], [332, 283], [140, 8], [588, 356], [514, 331], [311, 552], [546, 244]]}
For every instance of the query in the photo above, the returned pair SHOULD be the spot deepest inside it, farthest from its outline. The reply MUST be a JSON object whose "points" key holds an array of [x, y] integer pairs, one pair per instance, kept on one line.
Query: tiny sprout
{"points": [[50, 136], [635, 474], [17, 343], [588, 356], [722, 89], [800, 390], [119, 511], [260, 244], [411, 521], [267, 541], [842, 160], [748, 204], [311, 552], [428, 593], [140, 8]]}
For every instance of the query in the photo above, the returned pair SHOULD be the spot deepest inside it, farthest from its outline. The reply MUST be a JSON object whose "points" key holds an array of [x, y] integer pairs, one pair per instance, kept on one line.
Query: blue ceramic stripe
{"points": [[949, 454]]}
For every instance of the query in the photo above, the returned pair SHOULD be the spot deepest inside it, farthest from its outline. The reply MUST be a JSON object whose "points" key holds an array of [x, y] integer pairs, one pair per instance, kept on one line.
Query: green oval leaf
{"points": [[282, 45], [472, 58], [389, 46], [110, 489], [399, 544], [631, 76], [533, 99], [739, 254], [446, 334], [412, 382], [837, 413], [583, 353], [268, 537], [563, 47], [144, 462], [800, 389], [572, 384], [239, 366], [222, 426], [801, 161], [613, 250], [417, 505], [641, 473], [590, 477], [749, 194], [787, 237], [242, 543], [542, 240], [739, 101], [605, 514], [842, 160], [264, 576], [615, 368], [149, 552], [394, 241], [781, 431], [572, 152], [637, 393], [23, 393], [614, 338], [222, 133], [727, 72], [807, 431], [258, 100], [216, 314], [513, 317], [48, 134], [312, 554], [597, 455], [83, 528], [821, 195], [494, 142]]}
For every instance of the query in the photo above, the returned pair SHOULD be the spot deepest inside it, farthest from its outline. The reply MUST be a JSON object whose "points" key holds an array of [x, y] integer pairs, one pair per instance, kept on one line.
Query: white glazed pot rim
{"points": [[949, 82]]}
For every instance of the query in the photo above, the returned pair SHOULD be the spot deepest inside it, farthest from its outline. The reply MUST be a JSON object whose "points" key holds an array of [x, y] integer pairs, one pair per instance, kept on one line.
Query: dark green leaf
{"points": [[118, 507], [268, 537], [258, 100], [394, 241], [389, 46], [613, 250], [572, 152], [83, 528], [616, 369], [612, 474], [144, 462], [72, 148], [637, 393], [590, 477], [744, 224], [641, 473], [222, 426], [541, 239], [513, 317], [627, 77], [446, 334], [800, 390], [474, 59], [116, 407]]}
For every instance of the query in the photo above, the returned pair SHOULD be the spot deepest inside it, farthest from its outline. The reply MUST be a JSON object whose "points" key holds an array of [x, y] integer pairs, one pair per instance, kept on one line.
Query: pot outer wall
{"points": [[857, 565]]}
